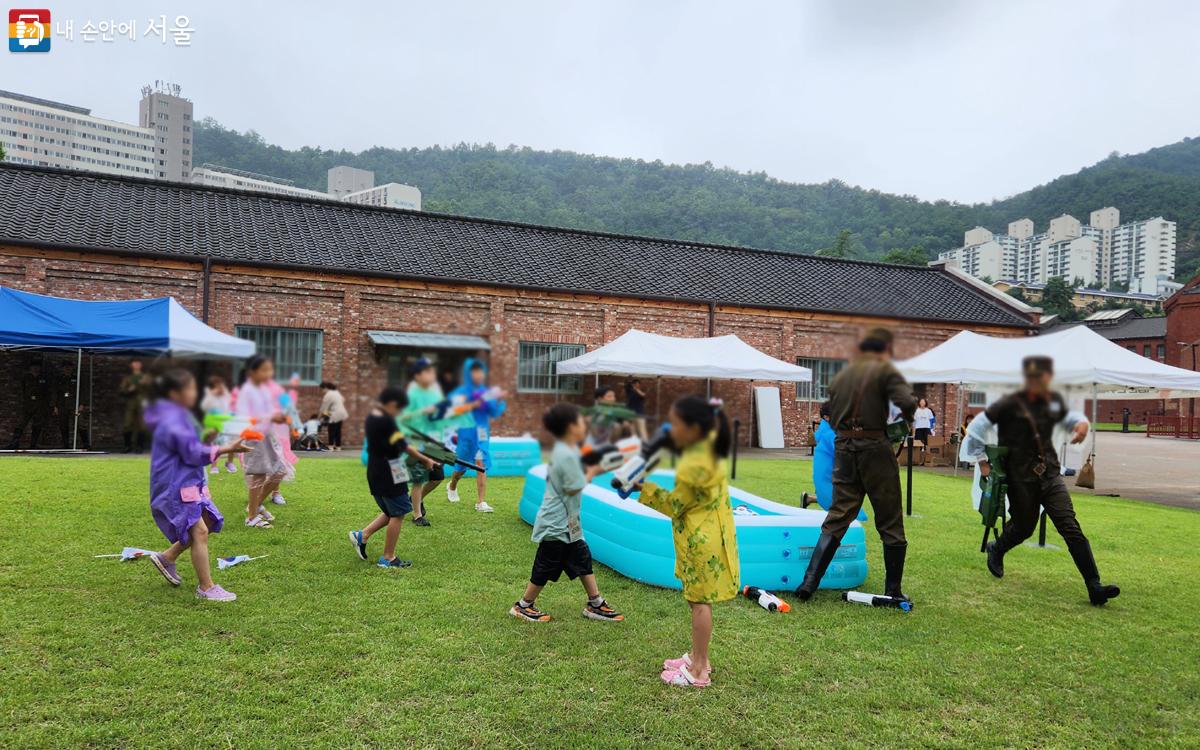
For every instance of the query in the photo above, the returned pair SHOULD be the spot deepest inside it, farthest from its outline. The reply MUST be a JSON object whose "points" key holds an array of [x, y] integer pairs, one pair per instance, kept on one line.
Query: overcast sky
{"points": [[967, 101]]}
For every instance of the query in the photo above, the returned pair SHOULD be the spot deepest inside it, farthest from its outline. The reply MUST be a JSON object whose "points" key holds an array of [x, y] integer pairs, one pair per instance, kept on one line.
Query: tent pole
{"points": [[78, 382], [658, 403], [958, 420], [91, 393]]}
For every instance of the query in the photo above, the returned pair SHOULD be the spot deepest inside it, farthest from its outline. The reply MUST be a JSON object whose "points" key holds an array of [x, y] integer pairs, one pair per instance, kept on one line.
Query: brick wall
{"points": [[1183, 327], [344, 308]]}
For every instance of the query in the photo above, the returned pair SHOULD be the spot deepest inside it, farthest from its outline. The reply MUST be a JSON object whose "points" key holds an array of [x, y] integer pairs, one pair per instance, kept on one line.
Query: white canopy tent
{"points": [[718, 358], [1086, 365]]}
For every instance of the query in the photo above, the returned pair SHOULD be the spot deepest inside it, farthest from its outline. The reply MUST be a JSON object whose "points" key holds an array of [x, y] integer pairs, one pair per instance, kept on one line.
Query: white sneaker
{"points": [[278, 499], [452, 495], [215, 470], [484, 508]]}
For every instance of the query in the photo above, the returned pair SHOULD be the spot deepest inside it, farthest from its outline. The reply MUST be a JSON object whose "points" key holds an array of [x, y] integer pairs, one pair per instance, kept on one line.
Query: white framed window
{"points": [[823, 371], [294, 350], [536, 368], [976, 399]]}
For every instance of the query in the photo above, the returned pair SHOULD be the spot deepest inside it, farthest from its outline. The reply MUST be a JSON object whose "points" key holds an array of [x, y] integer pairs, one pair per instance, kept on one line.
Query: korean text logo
{"points": [[29, 30]]}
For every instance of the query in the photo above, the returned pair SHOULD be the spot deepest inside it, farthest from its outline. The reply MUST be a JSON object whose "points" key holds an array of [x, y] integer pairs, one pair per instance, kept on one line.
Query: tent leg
{"points": [[91, 394], [78, 383]]}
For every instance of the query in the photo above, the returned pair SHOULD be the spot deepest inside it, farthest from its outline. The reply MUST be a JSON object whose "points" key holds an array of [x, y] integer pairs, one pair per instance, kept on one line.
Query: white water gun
{"points": [[633, 472], [766, 599]]}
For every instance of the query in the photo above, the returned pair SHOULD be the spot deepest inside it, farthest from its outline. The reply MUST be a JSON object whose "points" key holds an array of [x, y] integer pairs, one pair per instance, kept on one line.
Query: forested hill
{"points": [[705, 203]]}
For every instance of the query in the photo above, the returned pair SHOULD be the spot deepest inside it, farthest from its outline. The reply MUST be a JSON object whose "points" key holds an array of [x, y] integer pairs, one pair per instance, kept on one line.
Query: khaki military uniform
{"points": [[135, 388], [864, 463]]}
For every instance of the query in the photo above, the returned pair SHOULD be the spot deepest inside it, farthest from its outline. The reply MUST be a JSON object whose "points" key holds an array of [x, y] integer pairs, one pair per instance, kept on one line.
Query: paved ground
{"points": [[1161, 470]]}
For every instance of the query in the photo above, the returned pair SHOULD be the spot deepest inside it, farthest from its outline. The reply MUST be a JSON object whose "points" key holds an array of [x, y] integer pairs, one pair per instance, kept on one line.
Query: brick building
{"points": [[352, 293], [1183, 335]]}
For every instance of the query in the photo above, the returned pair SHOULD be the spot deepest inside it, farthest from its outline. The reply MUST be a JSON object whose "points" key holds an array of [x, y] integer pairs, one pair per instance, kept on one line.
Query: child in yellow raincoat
{"points": [[706, 557]]}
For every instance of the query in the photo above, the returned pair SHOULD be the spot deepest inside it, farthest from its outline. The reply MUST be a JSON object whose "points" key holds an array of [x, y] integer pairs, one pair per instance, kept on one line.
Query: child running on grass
{"points": [[387, 476], [557, 529], [474, 437], [218, 401], [179, 498], [424, 401], [266, 467], [706, 557]]}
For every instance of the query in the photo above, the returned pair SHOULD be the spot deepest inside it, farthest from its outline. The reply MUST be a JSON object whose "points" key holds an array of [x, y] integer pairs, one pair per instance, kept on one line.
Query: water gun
{"points": [[456, 406], [994, 491], [611, 456], [875, 600], [766, 599], [632, 473], [605, 413], [235, 428], [216, 421], [434, 449]]}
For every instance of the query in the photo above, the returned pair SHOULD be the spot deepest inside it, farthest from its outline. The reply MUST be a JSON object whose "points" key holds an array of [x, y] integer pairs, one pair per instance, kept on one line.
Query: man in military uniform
{"points": [[1025, 421], [860, 397], [135, 387], [34, 405], [63, 406]]}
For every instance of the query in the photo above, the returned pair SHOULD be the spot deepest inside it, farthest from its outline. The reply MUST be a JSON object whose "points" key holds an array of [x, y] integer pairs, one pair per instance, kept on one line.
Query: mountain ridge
{"points": [[703, 203]]}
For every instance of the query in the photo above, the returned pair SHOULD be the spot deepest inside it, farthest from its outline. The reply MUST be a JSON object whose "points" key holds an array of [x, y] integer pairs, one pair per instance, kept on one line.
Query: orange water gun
{"points": [[250, 433]]}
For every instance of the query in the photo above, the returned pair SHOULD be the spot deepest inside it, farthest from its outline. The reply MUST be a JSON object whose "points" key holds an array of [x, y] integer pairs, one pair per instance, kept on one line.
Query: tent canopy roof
{"points": [[721, 358], [150, 326], [1083, 359]]}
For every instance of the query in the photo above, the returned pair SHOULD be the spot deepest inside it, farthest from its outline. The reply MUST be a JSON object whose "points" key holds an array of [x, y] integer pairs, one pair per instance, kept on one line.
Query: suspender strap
{"points": [[1040, 467]]}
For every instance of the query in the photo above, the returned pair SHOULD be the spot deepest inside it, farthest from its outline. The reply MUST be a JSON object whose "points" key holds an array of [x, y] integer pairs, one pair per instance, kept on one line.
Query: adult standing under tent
{"points": [[36, 392], [158, 326], [1025, 421], [134, 390], [860, 398]]}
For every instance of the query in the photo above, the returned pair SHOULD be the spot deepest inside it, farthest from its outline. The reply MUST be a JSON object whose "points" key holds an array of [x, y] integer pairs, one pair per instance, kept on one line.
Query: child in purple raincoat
{"points": [[179, 498]]}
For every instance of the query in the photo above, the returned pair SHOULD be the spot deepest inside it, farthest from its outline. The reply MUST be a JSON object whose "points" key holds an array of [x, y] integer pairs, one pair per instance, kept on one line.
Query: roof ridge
{"points": [[337, 203]]}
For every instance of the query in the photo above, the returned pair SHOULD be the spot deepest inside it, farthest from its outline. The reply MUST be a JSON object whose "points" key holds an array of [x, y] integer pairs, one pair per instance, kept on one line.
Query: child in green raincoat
{"points": [[706, 557]]}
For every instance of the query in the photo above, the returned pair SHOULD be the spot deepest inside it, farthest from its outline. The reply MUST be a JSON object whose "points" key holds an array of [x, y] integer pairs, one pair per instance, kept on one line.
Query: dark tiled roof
{"points": [[119, 214], [1134, 328]]}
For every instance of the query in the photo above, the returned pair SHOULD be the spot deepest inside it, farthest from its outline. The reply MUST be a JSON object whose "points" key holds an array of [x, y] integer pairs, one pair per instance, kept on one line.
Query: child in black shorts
{"points": [[387, 476], [557, 530]]}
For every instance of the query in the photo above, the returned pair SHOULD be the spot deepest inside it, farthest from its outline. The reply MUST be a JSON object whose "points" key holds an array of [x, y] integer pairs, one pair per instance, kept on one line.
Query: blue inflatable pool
{"points": [[775, 541]]}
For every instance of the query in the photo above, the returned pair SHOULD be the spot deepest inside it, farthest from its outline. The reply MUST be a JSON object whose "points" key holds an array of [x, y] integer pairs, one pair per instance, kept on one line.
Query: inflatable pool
{"points": [[775, 541]]}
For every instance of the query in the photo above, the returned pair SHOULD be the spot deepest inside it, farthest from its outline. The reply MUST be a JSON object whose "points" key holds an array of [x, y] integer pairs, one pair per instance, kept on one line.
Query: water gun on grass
{"points": [[766, 599], [877, 600]]}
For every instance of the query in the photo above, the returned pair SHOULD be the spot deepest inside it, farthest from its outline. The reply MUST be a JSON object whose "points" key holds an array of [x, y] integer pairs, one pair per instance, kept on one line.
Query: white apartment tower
{"points": [[163, 110], [1102, 252]]}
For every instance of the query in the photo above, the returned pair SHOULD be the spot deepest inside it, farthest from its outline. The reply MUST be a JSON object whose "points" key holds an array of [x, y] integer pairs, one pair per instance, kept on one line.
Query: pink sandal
{"points": [[683, 678], [674, 665]]}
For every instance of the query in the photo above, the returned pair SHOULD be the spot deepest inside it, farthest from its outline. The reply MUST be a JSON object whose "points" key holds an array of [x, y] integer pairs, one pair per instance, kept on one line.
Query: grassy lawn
{"points": [[1116, 427], [323, 650]]}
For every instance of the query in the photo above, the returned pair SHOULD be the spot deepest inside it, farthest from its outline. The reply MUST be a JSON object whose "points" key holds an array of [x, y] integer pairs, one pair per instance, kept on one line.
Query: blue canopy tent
{"points": [[159, 326]]}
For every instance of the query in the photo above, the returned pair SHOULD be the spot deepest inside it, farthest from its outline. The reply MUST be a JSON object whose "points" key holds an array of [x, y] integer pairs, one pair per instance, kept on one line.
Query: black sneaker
{"points": [[360, 545], [421, 521], [602, 612], [530, 613], [395, 562]]}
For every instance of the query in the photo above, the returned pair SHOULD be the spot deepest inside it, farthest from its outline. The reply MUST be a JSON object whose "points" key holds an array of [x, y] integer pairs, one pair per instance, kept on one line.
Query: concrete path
{"points": [[1161, 470]]}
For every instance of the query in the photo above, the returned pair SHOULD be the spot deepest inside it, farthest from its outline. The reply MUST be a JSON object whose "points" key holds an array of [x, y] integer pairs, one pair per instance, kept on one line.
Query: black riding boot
{"points": [[128, 438], [141, 441], [893, 569], [1098, 593], [822, 555], [995, 559]]}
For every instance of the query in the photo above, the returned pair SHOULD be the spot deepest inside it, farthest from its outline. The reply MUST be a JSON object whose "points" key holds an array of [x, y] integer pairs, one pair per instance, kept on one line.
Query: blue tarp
{"points": [[160, 325]]}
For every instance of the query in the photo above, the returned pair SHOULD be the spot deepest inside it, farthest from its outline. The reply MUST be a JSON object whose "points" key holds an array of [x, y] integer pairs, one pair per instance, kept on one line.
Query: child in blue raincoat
{"points": [[823, 463], [480, 404]]}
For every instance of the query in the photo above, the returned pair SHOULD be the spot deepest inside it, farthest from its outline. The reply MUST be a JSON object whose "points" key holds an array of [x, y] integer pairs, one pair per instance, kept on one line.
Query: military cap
{"points": [[1037, 365]]}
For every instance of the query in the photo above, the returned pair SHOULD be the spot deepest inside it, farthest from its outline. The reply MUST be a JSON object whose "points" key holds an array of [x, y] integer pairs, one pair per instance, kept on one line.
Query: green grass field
{"points": [[322, 650], [1116, 427]]}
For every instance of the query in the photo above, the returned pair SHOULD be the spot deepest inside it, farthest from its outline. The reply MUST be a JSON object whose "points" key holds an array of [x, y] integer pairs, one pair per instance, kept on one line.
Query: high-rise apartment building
{"points": [[52, 134], [1104, 252], [164, 110]]}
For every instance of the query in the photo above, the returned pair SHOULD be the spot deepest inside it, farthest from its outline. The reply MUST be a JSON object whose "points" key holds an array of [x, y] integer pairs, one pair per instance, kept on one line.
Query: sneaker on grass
{"points": [[529, 614], [421, 521], [395, 562], [215, 594], [360, 544], [483, 507], [452, 495], [602, 612], [278, 499], [167, 569]]}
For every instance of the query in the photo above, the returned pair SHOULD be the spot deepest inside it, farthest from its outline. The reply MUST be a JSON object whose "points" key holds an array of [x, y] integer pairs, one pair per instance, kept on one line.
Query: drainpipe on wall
{"points": [[712, 327], [207, 276]]}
